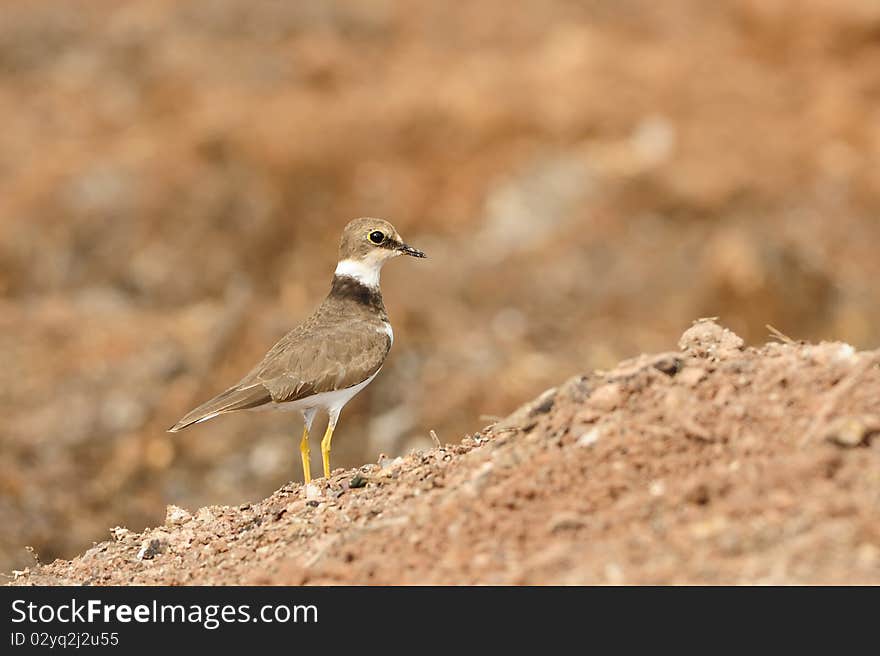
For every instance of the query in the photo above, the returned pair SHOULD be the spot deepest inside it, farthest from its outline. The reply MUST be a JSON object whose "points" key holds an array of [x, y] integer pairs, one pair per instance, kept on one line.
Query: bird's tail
{"points": [[235, 398]]}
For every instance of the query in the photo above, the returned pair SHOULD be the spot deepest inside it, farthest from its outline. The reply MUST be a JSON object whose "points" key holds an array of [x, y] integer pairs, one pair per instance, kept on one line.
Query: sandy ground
{"points": [[714, 463]]}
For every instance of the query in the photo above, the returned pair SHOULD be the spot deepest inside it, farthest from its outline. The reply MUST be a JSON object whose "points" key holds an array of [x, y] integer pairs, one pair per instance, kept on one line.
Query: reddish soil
{"points": [[712, 464]]}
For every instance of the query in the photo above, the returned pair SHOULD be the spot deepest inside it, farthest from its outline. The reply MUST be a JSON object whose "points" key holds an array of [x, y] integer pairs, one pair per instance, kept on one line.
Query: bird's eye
{"points": [[377, 237]]}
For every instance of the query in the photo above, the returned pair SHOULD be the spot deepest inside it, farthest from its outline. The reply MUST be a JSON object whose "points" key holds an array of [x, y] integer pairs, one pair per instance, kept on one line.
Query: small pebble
{"points": [[852, 431], [312, 492], [692, 376], [176, 515], [607, 397], [119, 533], [152, 547], [589, 438]]}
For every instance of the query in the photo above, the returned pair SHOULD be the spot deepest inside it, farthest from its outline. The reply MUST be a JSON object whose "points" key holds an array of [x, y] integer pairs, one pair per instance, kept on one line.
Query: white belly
{"points": [[328, 401]]}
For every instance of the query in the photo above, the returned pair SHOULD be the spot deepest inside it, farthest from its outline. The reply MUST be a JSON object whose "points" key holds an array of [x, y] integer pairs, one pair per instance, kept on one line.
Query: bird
{"points": [[331, 356]]}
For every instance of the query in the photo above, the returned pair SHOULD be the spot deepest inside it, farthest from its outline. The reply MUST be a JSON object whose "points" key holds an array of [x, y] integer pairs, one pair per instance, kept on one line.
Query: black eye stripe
{"points": [[377, 237]]}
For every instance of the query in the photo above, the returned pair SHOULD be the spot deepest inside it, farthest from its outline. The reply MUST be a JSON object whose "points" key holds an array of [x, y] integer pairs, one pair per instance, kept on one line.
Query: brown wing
{"points": [[333, 349], [235, 398], [322, 357]]}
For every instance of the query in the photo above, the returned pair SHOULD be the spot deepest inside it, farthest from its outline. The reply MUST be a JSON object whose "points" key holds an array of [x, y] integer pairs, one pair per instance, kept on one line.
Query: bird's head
{"points": [[366, 245]]}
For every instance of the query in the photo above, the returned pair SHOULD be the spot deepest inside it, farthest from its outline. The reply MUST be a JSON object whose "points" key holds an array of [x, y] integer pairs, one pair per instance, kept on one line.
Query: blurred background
{"points": [[586, 177]]}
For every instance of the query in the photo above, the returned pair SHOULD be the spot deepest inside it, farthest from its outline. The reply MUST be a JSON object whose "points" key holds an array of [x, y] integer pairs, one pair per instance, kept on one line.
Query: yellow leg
{"points": [[325, 448], [304, 452]]}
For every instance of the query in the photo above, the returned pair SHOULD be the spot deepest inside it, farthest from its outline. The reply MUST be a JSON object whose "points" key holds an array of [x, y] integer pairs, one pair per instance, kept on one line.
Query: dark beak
{"points": [[409, 250]]}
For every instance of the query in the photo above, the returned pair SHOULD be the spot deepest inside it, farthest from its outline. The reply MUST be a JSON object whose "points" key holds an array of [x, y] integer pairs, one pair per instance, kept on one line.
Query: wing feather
{"points": [[234, 398], [323, 354]]}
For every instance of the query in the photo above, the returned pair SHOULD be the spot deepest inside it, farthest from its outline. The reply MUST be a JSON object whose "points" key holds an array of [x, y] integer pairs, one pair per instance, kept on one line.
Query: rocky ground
{"points": [[715, 463]]}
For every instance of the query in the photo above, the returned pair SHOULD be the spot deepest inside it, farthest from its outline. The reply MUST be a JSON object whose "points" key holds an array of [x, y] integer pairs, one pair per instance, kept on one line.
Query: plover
{"points": [[334, 354]]}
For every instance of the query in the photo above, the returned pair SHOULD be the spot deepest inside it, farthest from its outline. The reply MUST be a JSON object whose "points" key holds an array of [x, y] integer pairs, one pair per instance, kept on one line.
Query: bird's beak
{"points": [[406, 249]]}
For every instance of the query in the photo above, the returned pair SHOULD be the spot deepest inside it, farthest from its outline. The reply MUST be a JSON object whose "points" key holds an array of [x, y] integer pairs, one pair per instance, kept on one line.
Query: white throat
{"points": [[365, 272]]}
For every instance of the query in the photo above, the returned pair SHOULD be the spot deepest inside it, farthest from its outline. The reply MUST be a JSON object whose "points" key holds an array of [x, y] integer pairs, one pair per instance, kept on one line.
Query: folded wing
{"points": [[307, 361]]}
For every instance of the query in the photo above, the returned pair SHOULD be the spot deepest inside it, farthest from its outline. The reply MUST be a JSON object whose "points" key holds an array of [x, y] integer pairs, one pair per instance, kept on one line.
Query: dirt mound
{"points": [[715, 463]]}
